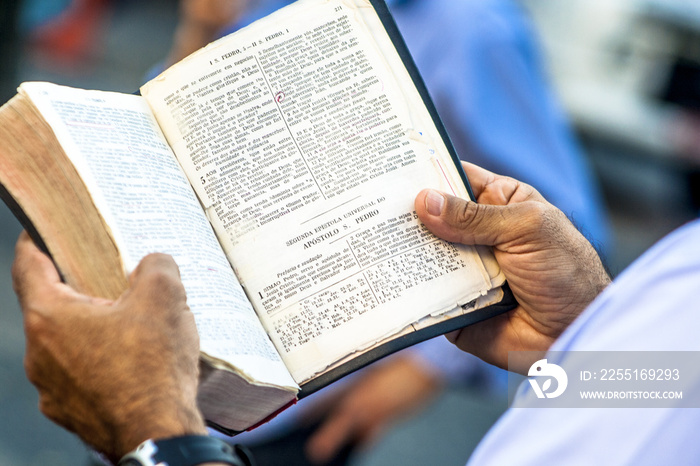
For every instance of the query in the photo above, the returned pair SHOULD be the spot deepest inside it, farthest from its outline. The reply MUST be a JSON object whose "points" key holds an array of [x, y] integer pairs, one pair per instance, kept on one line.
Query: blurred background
{"points": [[95, 44], [627, 72]]}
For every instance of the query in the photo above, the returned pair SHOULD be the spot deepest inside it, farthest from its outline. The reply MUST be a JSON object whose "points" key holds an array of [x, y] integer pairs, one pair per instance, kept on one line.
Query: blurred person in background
{"points": [[65, 29], [482, 66]]}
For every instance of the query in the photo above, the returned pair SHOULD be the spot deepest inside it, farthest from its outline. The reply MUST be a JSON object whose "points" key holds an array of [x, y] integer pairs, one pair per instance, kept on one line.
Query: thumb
{"points": [[461, 221]]}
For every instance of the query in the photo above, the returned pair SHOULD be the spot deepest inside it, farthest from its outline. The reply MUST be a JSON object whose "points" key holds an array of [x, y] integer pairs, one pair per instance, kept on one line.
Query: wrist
{"points": [[186, 450], [156, 424]]}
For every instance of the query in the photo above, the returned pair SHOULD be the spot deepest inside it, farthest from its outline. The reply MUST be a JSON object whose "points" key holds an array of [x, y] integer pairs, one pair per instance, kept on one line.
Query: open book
{"points": [[278, 166]]}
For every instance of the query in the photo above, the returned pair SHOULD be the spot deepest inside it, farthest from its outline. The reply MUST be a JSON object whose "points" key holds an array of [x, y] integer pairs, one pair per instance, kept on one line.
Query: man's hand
{"points": [[114, 372], [361, 412], [553, 270]]}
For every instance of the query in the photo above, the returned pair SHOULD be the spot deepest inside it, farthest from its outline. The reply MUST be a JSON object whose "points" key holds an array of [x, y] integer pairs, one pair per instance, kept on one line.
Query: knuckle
{"points": [[37, 338], [18, 280], [158, 258], [161, 280], [543, 219], [162, 292], [45, 406], [529, 193], [31, 370], [535, 213], [158, 273], [49, 409], [470, 221], [35, 323]]}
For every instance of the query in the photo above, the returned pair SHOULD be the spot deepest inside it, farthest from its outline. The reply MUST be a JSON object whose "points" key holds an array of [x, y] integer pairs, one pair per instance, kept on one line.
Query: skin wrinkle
{"points": [[542, 253], [71, 340], [515, 332], [534, 242]]}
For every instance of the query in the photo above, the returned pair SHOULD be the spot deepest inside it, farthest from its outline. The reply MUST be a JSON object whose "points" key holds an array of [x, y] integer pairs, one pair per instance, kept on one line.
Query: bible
{"points": [[278, 166]]}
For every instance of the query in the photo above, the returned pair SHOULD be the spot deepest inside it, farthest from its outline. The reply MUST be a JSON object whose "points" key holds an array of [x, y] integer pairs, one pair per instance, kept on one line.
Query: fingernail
{"points": [[434, 202]]}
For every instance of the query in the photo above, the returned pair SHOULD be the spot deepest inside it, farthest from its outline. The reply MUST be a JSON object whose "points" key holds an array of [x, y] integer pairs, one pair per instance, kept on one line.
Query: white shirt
{"points": [[653, 306]]}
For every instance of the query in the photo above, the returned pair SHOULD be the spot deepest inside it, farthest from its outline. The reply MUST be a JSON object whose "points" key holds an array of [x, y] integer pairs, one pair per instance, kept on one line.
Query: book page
{"points": [[138, 186], [307, 145]]}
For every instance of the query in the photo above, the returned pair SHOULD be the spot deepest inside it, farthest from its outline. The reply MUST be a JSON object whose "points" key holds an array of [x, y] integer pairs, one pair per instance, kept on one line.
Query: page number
{"points": [[338, 8]]}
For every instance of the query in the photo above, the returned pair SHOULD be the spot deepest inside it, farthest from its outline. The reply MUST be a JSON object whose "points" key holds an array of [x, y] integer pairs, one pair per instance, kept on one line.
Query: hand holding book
{"points": [[113, 389], [278, 166], [553, 271], [97, 373]]}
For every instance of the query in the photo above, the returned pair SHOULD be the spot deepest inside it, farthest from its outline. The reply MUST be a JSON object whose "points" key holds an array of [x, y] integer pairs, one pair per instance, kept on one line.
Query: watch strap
{"points": [[187, 450]]}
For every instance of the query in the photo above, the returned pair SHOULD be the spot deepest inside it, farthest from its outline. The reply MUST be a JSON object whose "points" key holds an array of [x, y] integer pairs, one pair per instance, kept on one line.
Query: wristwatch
{"points": [[187, 450]]}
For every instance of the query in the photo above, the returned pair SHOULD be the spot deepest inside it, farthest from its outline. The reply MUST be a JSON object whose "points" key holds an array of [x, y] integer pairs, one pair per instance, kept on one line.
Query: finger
{"points": [[501, 191], [157, 278], [481, 337], [478, 177], [156, 291], [335, 432], [33, 272], [460, 221], [490, 188], [155, 263], [37, 283]]}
